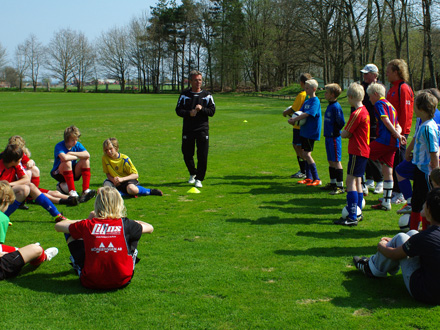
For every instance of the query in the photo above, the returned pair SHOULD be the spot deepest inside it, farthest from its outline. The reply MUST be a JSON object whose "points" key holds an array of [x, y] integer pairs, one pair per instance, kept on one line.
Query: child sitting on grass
{"points": [[333, 123], [103, 247], [13, 259], [121, 172]]}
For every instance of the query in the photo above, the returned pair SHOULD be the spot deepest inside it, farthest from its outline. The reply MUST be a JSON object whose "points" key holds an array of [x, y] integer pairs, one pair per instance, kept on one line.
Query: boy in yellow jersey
{"points": [[297, 104], [121, 172]]}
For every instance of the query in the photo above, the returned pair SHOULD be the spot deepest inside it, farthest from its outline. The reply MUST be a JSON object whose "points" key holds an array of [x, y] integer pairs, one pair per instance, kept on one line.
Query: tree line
{"points": [[241, 44]]}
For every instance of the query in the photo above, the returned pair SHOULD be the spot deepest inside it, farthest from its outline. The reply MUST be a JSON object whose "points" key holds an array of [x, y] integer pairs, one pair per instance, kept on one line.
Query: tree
{"points": [[21, 64], [114, 54], [10, 75], [83, 60], [35, 54], [61, 55], [2, 56]]}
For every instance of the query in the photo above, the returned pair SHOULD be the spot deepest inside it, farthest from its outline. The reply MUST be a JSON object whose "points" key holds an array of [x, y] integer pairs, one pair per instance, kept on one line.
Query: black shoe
{"points": [[156, 192], [361, 263], [329, 186], [23, 207], [87, 195], [346, 222]]}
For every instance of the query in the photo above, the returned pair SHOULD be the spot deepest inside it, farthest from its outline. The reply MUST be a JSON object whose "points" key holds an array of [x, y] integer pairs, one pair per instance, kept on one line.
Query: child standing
{"points": [[310, 131], [387, 141], [357, 131], [121, 172], [296, 142], [333, 123]]}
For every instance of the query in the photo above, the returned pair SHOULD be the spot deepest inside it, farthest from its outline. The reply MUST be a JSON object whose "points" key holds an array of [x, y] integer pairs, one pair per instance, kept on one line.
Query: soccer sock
{"points": [[35, 180], [339, 177], [405, 188], [360, 199], [314, 171], [387, 191], [43, 201], [408, 201], [302, 164], [7, 248], [11, 209], [143, 191], [85, 172], [332, 173], [352, 197], [68, 176], [39, 260], [425, 223], [414, 220], [308, 171]]}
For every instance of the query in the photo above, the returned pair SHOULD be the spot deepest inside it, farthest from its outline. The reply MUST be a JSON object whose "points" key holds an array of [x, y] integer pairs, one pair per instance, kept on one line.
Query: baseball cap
{"points": [[370, 68]]}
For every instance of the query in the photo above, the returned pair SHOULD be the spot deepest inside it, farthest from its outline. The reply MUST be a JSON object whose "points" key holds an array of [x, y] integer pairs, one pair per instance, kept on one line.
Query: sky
{"points": [[20, 18]]}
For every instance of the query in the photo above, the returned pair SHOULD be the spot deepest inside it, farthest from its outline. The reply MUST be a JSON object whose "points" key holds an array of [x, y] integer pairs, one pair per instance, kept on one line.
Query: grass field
{"points": [[253, 250]]}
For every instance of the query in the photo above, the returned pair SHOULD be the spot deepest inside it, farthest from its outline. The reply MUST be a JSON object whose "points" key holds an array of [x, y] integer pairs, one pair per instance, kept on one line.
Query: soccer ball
{"points": [[345, 212], [404, 222], [62, 188], [302, 121]]}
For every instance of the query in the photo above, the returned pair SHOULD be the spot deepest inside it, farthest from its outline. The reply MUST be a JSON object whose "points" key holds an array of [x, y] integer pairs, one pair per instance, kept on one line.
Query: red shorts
{"points": [[383, 153]]}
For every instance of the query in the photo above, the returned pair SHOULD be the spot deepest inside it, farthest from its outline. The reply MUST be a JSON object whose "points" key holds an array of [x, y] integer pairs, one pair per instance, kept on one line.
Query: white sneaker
{"points": [[398, 199], [198, 184], [192, 179], [379, 188], [369, 184], [73, 193], [50, 253], [364, 190]]}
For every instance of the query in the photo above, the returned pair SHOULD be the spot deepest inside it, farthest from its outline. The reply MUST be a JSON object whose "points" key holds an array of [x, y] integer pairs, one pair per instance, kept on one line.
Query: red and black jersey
{"points": [[110, 251], [12, 173]]}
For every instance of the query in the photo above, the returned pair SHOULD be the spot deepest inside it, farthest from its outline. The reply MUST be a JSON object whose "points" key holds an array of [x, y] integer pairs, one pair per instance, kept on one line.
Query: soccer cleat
{"points": [[87, 195], [23, 207], [314, 183], [398, 199], [72, 201], [379, 188], [329, 186], [50, 253], [60, 217], [369, 184], [9, 223], [407, 209], [361, 263], [73, 193], [360, 218], [156, 192], [337, 191], [192, 179], [305, 181], [346, 222], [381, 206], [364, 189], [298, 175], [198, 184]]}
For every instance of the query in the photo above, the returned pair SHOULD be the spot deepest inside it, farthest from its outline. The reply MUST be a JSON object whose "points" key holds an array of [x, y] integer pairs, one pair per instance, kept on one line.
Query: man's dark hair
{"points": [[433, 204], [12, 153]]}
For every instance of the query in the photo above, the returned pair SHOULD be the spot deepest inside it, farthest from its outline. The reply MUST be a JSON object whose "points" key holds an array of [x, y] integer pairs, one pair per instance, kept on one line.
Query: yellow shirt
{"points": [[297, 104], [120, 167]]}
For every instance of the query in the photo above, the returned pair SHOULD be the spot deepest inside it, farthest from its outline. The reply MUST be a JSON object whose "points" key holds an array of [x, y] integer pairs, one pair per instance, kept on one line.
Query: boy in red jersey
{"points": [[387, 141], [104, 247], [357, 131]]}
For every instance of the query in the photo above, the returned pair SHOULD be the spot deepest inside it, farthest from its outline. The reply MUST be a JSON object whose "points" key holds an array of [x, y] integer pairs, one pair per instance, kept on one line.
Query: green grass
{"points": [[253, 250]]}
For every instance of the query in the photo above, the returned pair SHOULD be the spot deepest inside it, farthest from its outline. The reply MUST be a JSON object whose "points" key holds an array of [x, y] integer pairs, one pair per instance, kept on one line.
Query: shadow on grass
{"points": [[330, 251], [277, 220], [345, 232]]}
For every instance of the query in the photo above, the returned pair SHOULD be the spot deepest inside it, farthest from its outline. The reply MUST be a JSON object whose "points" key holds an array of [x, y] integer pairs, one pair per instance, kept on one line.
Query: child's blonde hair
{"points": [[356, 92], [376, 88], [7, 196], [111, 142], [434, 177], [334, 89], [426, 102], [71, 131], [312, 83], [19, 141], [109, 204]]}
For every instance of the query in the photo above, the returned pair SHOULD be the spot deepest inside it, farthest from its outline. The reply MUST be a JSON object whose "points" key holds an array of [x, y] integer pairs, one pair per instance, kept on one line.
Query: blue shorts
{"points": [[406, 169], [296, 138], [333, 146], [356, 165]]}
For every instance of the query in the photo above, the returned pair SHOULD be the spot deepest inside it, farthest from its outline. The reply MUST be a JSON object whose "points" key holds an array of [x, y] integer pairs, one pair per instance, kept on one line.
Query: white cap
{"points": [[370, 68]]}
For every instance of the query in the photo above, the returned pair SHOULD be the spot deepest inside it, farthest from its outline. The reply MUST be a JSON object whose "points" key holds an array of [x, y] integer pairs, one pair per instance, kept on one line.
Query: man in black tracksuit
{"points": [[195, 106]]}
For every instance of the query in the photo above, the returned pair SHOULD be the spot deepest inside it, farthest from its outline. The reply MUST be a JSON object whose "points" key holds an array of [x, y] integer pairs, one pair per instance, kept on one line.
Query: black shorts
{"points": [[78, 253], [60, 177], [123, 186], [307, 144], [11, 264]]}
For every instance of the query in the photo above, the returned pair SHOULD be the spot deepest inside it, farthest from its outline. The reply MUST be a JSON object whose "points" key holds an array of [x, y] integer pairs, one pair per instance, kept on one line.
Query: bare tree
{"points": [[21, 64], [114, 52], [2, 56], [35, 54], [83, 60], [61, 55]]}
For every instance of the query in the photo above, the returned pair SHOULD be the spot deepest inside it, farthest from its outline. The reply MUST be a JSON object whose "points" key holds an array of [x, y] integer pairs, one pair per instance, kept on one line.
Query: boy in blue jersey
{"points": [[72, 161], [333, 123], [310, 131], [388, 139], [422, 152]]}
